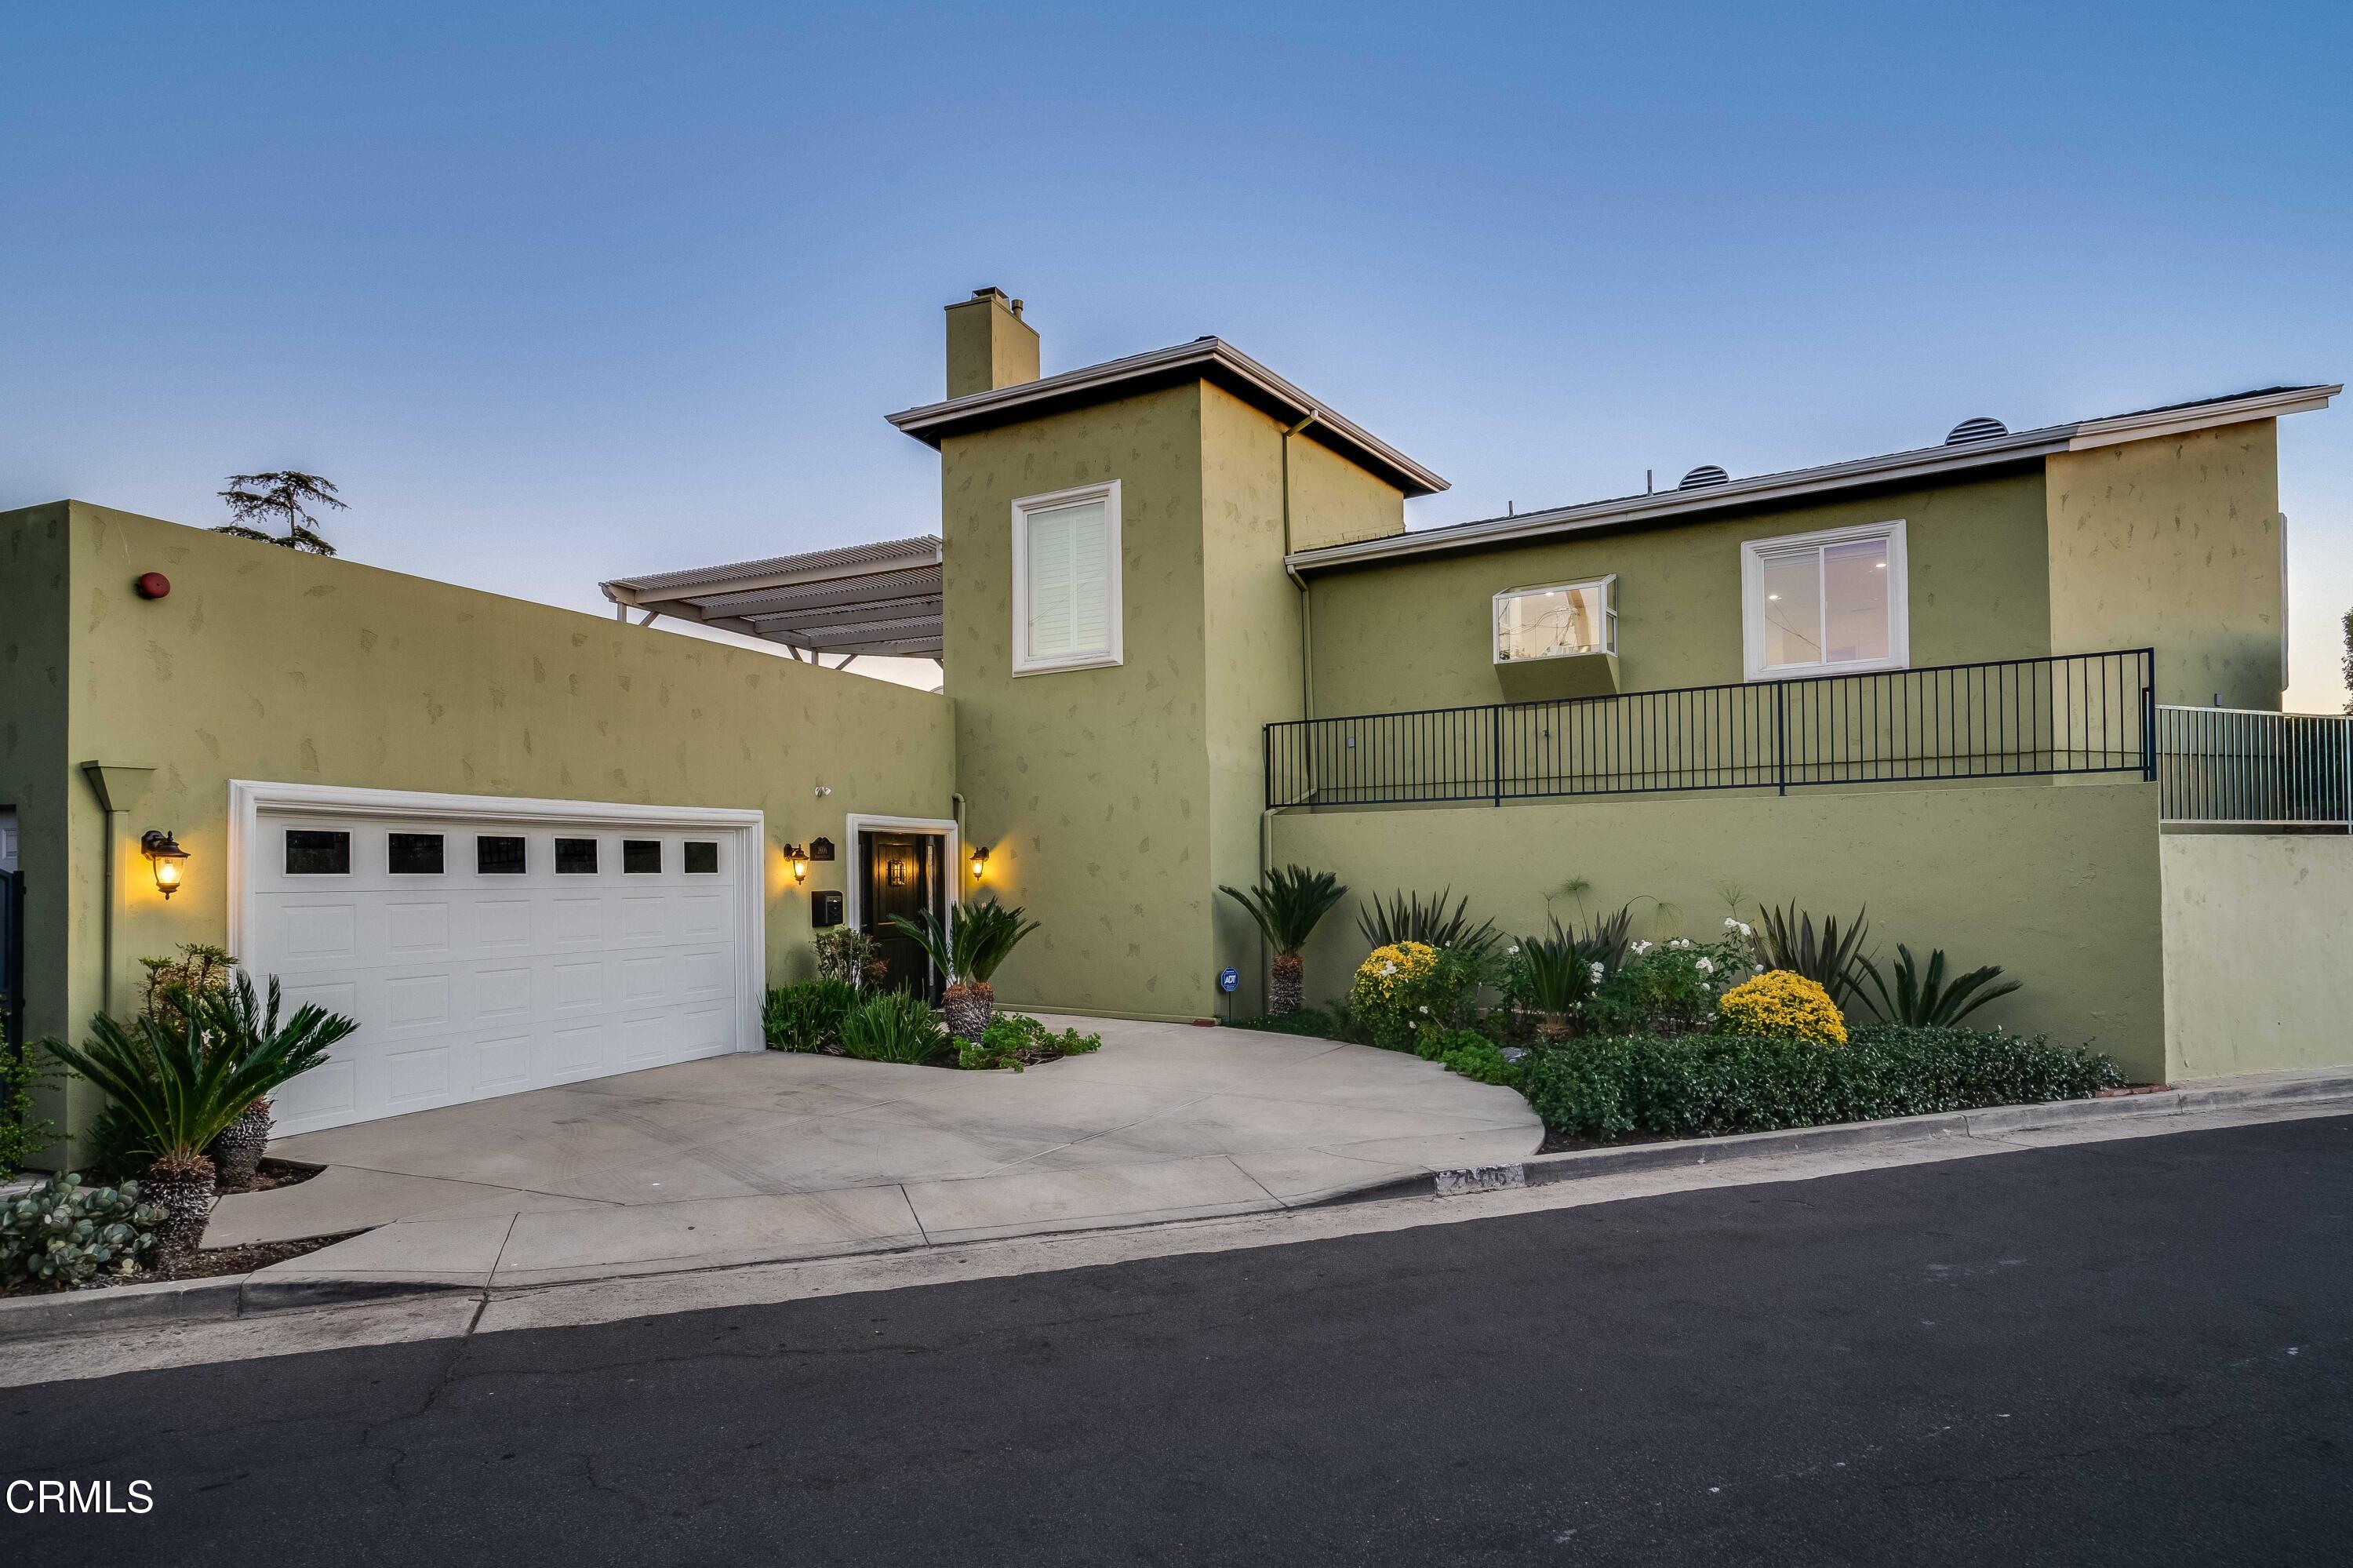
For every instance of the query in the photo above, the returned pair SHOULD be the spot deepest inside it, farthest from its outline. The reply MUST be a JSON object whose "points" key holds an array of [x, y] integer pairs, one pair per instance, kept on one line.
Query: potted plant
{"points": [[1287, 905], [966, 953], [180, 1088]]}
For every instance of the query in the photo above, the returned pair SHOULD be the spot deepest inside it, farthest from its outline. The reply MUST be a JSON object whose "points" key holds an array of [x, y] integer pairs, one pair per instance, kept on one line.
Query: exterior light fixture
{"points": [[164, 853], [800, 858], [896, 877], [979, 861]]}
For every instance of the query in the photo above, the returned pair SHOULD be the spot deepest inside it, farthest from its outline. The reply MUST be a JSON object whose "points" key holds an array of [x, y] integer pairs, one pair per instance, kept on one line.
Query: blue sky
{"points": [[564, 292]]}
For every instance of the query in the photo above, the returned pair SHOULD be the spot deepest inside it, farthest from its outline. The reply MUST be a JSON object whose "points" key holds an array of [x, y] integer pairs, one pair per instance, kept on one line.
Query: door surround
{"points": [[854, 890]]}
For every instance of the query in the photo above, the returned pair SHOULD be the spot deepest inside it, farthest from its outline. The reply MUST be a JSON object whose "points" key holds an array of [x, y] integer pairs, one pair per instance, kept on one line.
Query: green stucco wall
{"points": [[36, 772], [1090, 787], [1334, 502], [2176, 544], [2255, 978], [1118, 801], [2059, 885], [267, 664], [1418, 633]]}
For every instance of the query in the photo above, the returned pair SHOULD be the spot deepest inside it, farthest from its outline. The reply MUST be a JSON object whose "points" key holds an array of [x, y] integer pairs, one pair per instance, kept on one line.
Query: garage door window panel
{"points": [[413, 854], [315, 852], [575, 857], [641, 857]]}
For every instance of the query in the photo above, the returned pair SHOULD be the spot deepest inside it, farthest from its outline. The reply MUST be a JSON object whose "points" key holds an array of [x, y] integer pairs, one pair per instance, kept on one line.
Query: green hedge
{"points": [[1708, 1084]]}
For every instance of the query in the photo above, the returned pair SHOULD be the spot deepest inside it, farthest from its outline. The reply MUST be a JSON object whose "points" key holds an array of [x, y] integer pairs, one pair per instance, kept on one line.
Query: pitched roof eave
{"points": [[1891, 468], [1209, 357]]}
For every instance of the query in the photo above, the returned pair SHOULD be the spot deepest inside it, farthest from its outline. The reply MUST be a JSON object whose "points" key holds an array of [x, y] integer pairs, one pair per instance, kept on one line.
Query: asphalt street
{"points": [[2135, 1352]]}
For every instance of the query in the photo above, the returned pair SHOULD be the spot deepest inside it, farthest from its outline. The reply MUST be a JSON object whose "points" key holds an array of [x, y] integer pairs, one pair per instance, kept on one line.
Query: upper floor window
{"points": [[1066, 589], [1825, 603], [1554, 622]]}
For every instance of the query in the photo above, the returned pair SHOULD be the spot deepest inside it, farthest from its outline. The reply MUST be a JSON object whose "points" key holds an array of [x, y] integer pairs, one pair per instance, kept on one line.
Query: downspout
{"points": [[1306, 624], [119, 790], [1307, 688]]}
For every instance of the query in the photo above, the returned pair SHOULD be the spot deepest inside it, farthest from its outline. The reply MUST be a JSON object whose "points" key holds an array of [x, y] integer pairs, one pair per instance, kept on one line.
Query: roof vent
{"points": [[1705, 474], [1977, 430]]}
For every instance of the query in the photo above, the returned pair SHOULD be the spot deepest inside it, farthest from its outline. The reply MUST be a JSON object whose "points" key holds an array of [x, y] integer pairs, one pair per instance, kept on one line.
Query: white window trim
{"points": [[1607, 583], [1023, 665], [1753, 554]]}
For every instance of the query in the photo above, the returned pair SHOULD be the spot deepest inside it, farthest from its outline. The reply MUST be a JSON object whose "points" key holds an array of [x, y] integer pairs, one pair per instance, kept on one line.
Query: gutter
{"points": [[2021, 447]]}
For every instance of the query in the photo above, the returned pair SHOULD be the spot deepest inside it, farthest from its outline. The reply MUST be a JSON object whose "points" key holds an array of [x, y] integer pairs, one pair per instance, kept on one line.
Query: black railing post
{"points": [[2147, 717], [1495, 749], [1780, 737]]}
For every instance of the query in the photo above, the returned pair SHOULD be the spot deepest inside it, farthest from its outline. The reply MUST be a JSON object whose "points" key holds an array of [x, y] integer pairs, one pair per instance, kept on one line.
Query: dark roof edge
{"points": [[1209, 357], [1891, 468]]}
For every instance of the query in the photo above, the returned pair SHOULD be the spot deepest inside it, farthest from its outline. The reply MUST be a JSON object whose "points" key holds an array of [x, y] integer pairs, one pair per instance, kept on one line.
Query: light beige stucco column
{"points": [[119, 790]]}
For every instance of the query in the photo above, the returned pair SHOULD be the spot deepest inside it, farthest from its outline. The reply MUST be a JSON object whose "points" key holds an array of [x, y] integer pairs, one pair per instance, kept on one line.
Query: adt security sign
{"points": [[1230, 980]]}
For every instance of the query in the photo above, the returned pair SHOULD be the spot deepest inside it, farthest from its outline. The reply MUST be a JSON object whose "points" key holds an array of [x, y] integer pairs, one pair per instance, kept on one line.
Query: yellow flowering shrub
{"points": [[1781, 1004], [1393, 984]]}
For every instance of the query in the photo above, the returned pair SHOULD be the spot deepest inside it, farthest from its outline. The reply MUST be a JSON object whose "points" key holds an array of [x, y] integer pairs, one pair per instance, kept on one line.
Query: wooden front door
{"points": [[901, 874]]}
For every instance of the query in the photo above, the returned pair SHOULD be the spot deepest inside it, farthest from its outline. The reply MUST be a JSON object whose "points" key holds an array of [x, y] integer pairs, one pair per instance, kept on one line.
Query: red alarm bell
{"points": [[153, 585]]}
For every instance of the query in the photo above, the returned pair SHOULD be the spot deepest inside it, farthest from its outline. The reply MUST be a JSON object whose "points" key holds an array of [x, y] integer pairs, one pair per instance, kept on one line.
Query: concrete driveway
{"points": [[767, 1156]]}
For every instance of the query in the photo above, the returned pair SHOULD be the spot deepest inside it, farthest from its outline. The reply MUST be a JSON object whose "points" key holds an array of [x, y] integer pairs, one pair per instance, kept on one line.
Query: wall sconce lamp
{"points": [[164, 853], [896, 875], [800, 858], [979, 861]]}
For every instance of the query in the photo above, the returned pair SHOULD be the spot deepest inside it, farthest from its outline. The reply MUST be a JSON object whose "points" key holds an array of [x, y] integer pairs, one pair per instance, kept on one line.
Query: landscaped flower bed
{"points": [[1760, 1027]]}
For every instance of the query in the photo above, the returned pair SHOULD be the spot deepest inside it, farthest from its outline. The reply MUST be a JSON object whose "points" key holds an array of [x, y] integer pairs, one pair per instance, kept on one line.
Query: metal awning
{"points": [[865, 598]]}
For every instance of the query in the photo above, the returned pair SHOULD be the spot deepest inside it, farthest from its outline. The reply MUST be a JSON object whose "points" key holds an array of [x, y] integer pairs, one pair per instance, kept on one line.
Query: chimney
{"points": [[989, 345]]}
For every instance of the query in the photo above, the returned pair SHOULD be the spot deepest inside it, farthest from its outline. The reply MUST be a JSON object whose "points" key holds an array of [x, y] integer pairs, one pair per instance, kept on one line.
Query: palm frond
{"points": [[1288, 905]]}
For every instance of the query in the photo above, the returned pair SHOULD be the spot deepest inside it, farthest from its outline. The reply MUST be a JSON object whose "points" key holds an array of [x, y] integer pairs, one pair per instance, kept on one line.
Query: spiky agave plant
{"points": [[1406, 919], [1288, 905], [1784, 939], [966, 951], [1921, 998], [178, 1088]]}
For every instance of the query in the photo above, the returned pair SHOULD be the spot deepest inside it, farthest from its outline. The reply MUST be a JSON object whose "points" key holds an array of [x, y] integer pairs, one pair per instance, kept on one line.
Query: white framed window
{"points": [[1556, 621], [1825, 603], [1066, 587]]}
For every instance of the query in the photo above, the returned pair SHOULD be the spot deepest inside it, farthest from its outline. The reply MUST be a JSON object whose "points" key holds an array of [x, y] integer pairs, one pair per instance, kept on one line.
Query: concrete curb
{"points": [[2252, 1092], [216, 1299], [260, 1295]]}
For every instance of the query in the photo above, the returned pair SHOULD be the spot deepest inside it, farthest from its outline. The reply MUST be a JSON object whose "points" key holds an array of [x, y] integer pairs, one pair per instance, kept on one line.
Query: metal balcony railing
{"points": [[2087, 713], [2247, 766]]}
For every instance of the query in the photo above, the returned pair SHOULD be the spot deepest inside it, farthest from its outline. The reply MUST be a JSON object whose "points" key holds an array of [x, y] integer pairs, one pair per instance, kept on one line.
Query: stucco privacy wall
{"points": [[2177, 544], [1090, 787], [2255, 977], [2059, 885], [269, 664], [35, 550], [1419, 633]]}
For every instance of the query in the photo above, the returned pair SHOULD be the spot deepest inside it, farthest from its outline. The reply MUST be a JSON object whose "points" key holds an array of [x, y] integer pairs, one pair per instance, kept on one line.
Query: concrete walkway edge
{"points": [[237, 1296]]}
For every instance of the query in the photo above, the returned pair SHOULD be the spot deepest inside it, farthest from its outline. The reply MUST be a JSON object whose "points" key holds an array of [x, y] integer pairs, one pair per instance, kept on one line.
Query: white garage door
{"points": [[490, 955]]}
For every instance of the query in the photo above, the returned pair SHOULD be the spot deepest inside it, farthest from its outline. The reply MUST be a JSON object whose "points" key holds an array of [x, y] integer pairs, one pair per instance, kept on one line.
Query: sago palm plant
{"points": [[1406, 919], [178, 1088], [966, 951], [1288, 905]]}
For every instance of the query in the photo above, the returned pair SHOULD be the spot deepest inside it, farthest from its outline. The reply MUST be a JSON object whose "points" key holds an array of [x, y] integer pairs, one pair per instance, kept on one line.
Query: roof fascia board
{"points": [[653, 590], [2091, 433], [1211, 357], [1766, 488]]}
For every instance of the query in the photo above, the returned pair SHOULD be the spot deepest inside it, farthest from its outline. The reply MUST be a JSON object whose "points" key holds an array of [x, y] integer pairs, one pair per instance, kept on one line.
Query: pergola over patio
{"points": [[864, 598]]}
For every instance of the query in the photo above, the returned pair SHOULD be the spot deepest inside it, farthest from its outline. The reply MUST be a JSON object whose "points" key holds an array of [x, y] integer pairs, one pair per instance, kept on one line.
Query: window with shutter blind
{"points": [[1066, 590]]}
